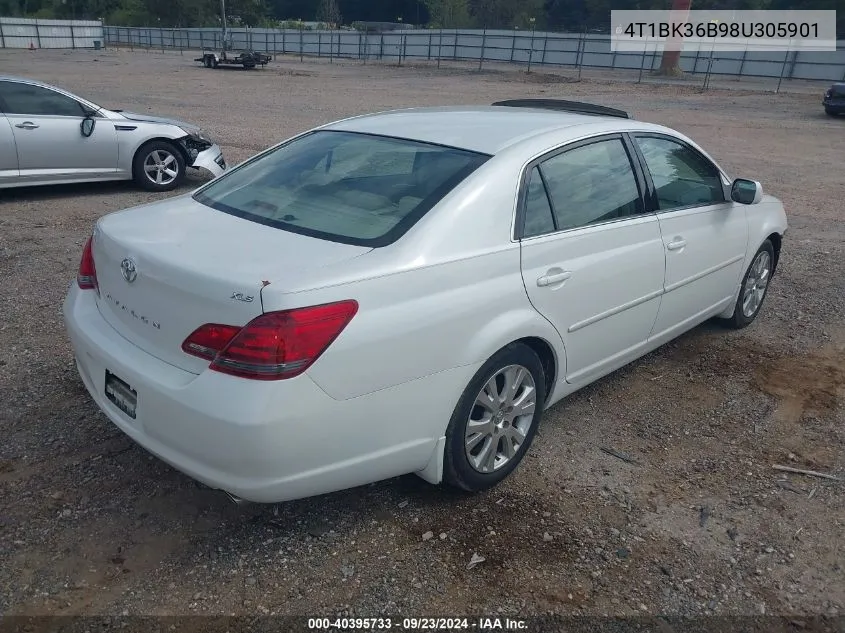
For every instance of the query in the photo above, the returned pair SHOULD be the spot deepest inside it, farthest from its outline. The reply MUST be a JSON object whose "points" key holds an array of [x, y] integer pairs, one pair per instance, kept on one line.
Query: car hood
{"points": [[149, 118]]}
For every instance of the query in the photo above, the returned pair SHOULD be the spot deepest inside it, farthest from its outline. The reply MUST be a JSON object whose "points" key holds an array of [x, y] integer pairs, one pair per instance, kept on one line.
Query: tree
{"points": [[448, 13], [329, 12], [670, 63]]}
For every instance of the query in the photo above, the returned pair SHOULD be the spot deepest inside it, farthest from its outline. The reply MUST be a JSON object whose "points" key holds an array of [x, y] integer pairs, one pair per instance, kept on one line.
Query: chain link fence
{"points": [[530, 49]]}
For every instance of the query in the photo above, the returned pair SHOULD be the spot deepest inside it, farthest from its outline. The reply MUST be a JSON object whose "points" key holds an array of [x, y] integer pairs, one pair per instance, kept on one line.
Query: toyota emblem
{"points": [[128, 270]]}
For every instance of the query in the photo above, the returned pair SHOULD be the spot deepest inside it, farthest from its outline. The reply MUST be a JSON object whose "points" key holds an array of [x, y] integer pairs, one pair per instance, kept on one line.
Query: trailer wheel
{"points": [[206, 61]]}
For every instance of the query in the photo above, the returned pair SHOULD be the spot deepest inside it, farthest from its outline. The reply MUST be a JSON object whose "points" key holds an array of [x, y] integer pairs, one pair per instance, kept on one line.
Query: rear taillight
{"points": [[209, 339], [86, 278], [275, 345]]}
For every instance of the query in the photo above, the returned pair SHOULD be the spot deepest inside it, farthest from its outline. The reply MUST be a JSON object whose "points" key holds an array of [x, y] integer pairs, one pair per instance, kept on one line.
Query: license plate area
{"points": [[121, 395]]}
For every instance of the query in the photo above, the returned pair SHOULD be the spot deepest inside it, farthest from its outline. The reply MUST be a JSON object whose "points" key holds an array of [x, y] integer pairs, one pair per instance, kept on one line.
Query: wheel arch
{"points": [[174, 141]]}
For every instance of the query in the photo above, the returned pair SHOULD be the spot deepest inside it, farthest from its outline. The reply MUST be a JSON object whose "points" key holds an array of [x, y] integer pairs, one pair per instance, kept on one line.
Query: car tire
{"points": [[464, 464], [145, 166], [754, 288], [830, 112], [206, 61]]}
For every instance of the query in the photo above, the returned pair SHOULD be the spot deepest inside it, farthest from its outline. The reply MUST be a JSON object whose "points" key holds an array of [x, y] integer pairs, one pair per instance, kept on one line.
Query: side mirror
{"points": [[87, 127], [746, 191]]}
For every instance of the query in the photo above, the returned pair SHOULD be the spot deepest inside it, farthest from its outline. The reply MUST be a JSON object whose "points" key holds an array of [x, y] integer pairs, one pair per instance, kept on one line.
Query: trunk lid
{"points": [[167, 268]]}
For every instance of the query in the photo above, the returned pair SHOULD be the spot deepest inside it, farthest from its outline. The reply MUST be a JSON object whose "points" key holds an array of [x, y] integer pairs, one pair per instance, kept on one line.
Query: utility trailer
{"points": [[226, 56], [247, 59]]}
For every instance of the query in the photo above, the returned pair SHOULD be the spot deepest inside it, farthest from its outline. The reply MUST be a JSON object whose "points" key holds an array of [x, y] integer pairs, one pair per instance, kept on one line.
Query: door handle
{"points": [[26, 125], [676, 244], [550, 279]]}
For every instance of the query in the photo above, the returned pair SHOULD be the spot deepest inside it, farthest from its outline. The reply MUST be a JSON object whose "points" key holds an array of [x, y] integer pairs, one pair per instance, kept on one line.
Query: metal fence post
{"points": [[483, 45], [319, 44], [38, 35], [331, 46], [381, 47], [642, 61], [284, 43], [439, 46], [782, 69], [301, 44], [513, 44], [579, 56], [742, 62], [2, 38]]}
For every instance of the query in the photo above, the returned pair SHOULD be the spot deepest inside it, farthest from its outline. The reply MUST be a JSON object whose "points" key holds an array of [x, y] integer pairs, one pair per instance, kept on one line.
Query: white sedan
{"points": [[50, 136], [407, 291]]}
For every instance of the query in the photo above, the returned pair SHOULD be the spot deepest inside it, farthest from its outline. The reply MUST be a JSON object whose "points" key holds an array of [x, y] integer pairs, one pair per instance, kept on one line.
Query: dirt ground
{"points": [[700, 524]]}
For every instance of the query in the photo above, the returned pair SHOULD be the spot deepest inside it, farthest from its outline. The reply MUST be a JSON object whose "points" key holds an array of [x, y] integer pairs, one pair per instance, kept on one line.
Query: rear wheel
{"points": [[495, 420], [830, 111], [207, 61], [158, 166]]}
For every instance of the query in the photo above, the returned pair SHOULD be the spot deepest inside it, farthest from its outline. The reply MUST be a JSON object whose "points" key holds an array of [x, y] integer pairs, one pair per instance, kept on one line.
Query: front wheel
{"points": [[754, 286], [158, 166], [495, 420]]}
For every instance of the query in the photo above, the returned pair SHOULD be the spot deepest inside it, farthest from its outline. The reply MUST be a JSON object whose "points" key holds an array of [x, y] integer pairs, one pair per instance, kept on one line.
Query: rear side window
{"points": [[591, 184], [18, 98], [342, 186]]}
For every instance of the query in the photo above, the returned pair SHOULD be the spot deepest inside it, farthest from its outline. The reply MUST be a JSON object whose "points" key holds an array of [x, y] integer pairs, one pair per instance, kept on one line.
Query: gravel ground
{"points": [[701, 523]]}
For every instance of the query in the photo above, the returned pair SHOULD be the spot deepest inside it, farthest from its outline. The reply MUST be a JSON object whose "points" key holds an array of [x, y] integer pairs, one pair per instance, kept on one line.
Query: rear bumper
{"points": [[261, 441], [211, 160]]}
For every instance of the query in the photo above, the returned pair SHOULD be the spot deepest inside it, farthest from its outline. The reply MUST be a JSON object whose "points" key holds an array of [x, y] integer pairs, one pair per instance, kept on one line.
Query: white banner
{"points": [[728, 30]]}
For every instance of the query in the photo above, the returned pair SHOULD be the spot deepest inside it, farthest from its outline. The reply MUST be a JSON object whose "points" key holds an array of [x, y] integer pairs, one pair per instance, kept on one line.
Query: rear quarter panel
{"points": [[448, 294]]}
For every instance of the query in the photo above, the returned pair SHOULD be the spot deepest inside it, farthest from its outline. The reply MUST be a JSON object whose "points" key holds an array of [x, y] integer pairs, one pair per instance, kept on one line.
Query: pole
{"points": [[582, 45], [642, 65], [439, 45], [301, 45], [783, 68], [483, 44], [223, 20]]}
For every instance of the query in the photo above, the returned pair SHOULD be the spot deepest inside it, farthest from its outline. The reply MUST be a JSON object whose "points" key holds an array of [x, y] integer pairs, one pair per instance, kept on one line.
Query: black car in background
{"points": [[834, 99]]}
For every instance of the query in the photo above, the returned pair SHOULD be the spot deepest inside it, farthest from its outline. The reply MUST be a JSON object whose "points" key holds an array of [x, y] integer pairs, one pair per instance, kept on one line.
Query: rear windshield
{"points": [[347, 187]]}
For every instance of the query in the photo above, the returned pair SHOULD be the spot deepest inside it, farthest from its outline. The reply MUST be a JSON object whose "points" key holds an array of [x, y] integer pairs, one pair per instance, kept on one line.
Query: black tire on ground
{"points": [[458, 472], [830, 112], [151, 152], [206, 61], [739, 319]]}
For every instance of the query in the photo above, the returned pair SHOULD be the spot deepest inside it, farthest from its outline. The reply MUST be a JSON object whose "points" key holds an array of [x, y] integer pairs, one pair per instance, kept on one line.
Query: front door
{"points": [[8, 153], [592, 260], [705, 234], [50, 144]]}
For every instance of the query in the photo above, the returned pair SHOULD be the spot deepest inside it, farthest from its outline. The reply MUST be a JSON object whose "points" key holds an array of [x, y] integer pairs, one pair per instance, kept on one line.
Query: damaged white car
{"points": [[51, 136]]}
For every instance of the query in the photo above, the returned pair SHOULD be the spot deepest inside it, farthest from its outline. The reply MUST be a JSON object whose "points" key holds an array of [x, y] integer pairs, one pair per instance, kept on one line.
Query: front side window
{"points": [[591, 184], [18, 98], [343, 186], [682, 176]]}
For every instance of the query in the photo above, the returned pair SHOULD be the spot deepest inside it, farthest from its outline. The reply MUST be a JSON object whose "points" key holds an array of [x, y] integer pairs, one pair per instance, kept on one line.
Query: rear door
{"points": [[592, 259], [8, 152], [705, 235], [50, 145]]}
